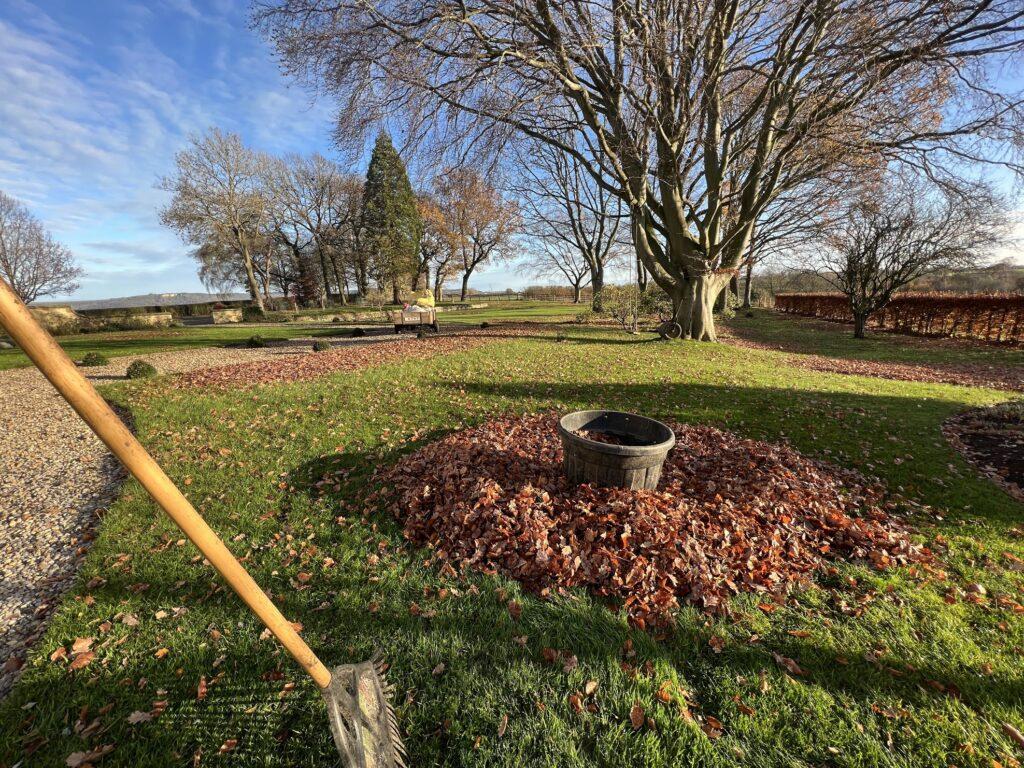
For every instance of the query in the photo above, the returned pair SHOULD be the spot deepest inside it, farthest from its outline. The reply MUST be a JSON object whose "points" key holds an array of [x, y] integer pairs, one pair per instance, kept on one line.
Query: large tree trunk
{"points": [[465, 285], [438, 285], [575, 293], [860, 321], [396, 292], [748, 291], [694, 305], [325, 292], [254, 288], [597, 285]]}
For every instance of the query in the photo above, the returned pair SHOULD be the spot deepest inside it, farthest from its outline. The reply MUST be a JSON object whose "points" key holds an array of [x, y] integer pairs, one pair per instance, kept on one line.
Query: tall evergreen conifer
{"points": [[391, 220]]}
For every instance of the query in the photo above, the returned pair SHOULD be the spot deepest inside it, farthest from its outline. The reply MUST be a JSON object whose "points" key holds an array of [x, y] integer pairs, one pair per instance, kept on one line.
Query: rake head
{"points": [[362, 720]]}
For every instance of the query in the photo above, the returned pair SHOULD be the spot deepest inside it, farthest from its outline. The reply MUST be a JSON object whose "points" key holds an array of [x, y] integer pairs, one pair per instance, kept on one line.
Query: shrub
{"points": [[252, 315], [421, 333], [321, 346], [358, 333], [586, 316], [484, 325], [140, 369], [256, 342], [92, 359]]}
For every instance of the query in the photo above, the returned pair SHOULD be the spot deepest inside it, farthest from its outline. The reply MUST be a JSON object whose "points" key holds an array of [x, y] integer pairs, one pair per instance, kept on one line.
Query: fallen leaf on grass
{"points": [[82, 660], [137, 717], [712, 727], [502, 726], [79, 759], [788, 664], [636, 716]]}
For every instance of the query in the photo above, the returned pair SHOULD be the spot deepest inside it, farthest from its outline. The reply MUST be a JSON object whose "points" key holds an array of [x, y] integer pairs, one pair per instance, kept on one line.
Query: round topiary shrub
{"points": [[358, 333], [92, 359], [140, 369], [256, 342], [321, 346], [484, 325]]}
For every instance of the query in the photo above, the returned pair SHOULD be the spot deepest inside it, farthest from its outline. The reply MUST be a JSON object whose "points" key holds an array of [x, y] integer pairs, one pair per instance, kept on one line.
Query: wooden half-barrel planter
{"points": [[615, 449]]}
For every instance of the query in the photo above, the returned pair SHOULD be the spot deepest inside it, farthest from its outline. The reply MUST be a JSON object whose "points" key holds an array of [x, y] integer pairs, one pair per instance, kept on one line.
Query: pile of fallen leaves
{"points": [[730, 515], [351, 357]]}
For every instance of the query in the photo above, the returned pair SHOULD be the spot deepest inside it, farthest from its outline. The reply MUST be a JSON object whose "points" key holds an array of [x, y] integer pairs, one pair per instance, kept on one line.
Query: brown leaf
{"points": [[788, 664], [137, 717], [636, 716], [502, 726], [82, 660]]}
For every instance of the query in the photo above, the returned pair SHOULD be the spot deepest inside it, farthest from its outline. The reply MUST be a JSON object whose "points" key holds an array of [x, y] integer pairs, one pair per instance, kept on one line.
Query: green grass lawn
{"points": [[881, 651], [121, 343], [815, 337]]}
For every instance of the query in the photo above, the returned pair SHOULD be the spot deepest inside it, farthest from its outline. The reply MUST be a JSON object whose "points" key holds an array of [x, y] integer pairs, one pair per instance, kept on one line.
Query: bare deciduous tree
{"points": [[895, 234], [482, 222], [219, 200], [576, 224], [31, 261], [697, 114]]}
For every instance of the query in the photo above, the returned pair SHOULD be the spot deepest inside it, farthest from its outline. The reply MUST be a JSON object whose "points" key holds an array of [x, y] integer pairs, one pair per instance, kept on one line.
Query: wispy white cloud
{"points": [[91, 119]]}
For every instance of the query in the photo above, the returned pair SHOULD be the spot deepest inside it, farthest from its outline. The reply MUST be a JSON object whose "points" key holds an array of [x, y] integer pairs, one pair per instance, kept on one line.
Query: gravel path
{"points": [[56, 478]]}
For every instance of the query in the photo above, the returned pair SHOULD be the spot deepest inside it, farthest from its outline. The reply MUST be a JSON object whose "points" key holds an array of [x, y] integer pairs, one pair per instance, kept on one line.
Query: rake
{"points": [[357, 695]]}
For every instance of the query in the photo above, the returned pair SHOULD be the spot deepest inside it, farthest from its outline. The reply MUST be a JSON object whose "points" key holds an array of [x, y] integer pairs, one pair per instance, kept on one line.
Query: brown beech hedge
{"points": [[988, 316]]}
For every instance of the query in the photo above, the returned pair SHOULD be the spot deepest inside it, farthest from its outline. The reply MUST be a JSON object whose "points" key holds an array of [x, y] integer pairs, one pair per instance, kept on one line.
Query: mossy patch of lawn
{"points": [[897, 673]]}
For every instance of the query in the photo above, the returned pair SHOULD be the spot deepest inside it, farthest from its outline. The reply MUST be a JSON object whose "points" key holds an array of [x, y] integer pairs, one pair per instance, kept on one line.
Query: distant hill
{"points": [[147, 300]]}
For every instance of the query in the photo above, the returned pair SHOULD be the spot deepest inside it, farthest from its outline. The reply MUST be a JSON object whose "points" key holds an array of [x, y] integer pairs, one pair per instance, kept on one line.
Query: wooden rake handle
{"points": [[83, 397]]}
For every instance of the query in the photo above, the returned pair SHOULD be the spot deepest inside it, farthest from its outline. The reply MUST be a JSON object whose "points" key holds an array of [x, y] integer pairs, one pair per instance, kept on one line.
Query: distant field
{"points": [[121, 343]]}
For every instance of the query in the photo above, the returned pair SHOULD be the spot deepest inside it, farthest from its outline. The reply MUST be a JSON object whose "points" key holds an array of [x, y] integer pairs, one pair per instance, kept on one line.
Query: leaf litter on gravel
{"points": [[347, 358], [730, 515]]}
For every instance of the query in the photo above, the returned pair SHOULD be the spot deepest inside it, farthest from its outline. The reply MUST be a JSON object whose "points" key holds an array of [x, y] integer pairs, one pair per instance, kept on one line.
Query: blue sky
{"points": [[98, 96]]}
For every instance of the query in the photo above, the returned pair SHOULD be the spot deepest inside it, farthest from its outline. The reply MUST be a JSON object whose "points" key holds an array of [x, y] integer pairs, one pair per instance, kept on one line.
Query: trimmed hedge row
{"points": [[990, 316]]}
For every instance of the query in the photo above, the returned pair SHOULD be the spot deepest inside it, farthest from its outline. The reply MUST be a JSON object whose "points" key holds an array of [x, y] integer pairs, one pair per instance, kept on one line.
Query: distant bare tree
{"points": [[794, 221], [306, 190], [577, 225], [696, 114], [219, 199], [897, 233], [31, 261], [482, 222], [438, 244]]}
